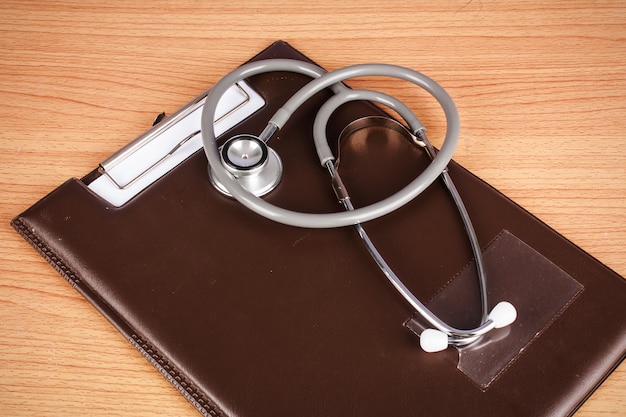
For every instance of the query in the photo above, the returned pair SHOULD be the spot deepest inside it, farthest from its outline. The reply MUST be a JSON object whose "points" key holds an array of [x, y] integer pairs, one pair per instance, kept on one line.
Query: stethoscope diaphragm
{"points": [[256, 166]]}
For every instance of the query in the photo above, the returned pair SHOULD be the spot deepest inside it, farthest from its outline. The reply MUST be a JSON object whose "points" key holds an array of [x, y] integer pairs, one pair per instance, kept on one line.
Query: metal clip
{"points": [[146, 159], [107, 166]]}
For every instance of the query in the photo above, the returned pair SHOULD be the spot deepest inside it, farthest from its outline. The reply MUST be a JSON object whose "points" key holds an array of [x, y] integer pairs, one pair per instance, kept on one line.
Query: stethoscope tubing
{"points": [[437, 168], [323, 80]]}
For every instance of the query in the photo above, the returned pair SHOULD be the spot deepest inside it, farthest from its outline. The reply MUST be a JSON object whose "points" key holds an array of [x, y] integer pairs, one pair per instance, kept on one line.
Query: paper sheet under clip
{"points": [[143, 161]]}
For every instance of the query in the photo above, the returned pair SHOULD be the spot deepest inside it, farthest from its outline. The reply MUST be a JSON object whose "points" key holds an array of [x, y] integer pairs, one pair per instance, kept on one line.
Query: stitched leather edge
{"points": [[188, 390], [174, 377], [50, 256]]}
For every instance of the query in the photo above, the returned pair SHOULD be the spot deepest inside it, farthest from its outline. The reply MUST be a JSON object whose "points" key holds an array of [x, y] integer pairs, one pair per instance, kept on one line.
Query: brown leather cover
{"points": [[247, 317]]}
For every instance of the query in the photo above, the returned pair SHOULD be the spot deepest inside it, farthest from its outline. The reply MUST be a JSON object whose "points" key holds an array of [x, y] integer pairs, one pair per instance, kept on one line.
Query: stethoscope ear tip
{"points": [[432, 340], [503, 314]]}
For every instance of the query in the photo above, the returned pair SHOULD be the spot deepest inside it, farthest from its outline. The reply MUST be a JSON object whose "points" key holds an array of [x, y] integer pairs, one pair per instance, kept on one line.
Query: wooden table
{"points": [[540, 86]]}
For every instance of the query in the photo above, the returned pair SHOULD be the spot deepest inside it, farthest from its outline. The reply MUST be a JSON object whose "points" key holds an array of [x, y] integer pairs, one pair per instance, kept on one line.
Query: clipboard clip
{"points": [[151, 167], [238, 98], [146, 159]]}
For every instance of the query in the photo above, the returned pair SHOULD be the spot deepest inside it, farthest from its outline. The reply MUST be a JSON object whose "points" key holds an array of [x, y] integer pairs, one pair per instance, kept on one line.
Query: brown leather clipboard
{"points": [[246, 317]]}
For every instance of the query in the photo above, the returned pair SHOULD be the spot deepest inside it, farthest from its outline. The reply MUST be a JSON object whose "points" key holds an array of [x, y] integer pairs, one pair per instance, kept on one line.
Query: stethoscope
{"points": [[246, 168]]}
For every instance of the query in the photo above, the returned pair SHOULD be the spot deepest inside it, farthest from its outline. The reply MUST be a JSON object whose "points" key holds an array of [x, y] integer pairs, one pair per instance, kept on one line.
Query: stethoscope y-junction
{"points": [[246, 168]]}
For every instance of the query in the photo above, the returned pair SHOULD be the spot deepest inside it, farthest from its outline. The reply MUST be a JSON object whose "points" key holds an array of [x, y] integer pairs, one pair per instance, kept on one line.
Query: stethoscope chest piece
{"points": [[255, 166]]}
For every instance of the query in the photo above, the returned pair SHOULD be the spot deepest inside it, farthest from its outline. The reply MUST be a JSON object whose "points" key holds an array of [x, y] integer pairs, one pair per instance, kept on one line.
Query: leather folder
{"points": [[247, 317]]}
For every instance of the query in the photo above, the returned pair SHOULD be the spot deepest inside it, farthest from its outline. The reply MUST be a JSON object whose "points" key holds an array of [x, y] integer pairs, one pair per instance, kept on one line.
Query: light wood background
{"points": [[540, 87]]}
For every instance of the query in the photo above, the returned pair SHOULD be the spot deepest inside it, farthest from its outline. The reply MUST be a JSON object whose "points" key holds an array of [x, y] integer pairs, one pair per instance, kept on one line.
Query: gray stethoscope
{"points": [[245, 168]]}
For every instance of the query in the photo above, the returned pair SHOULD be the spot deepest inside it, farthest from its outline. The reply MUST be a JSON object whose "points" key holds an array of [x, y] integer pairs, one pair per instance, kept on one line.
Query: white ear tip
{"points": [[503, 314], [432, 340]]}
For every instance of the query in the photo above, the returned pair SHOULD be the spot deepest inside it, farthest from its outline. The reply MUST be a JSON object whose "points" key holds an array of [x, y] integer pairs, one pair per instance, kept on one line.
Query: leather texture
{"points": [[247, 317]]}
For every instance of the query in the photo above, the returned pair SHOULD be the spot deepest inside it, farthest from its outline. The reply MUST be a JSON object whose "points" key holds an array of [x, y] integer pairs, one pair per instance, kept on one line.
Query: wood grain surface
{"points": [[540, 87]]}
